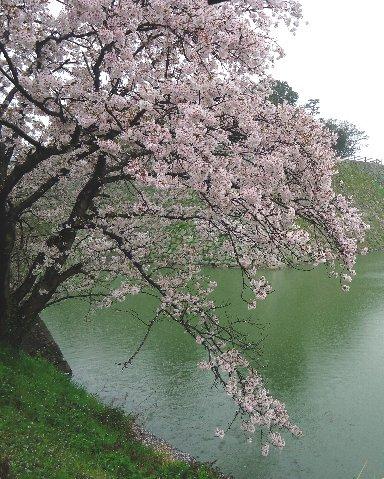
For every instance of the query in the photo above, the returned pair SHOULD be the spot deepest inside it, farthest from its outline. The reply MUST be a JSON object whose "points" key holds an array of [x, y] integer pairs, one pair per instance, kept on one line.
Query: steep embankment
{"points": [[52, 429], [364, 183]]}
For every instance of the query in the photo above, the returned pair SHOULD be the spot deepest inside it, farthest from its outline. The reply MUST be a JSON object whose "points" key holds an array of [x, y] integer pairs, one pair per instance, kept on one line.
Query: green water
{"points": [[323, 356]]}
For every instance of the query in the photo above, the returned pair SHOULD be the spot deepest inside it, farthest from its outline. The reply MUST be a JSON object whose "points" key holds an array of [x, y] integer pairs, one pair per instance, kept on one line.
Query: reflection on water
{"points": [[323, 355]]}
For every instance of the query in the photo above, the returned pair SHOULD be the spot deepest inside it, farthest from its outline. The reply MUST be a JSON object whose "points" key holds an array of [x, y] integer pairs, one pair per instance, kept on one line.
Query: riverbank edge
{"points": [[51, 427], [164, 447]]}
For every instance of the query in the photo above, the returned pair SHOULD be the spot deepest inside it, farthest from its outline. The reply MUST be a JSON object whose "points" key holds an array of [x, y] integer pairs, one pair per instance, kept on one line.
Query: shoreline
{"points": [[161, 445], [50, 425]]}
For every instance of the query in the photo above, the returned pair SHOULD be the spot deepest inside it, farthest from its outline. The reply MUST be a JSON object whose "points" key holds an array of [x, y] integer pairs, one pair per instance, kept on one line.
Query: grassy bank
{"points": [[364, 183], [52, 429]]}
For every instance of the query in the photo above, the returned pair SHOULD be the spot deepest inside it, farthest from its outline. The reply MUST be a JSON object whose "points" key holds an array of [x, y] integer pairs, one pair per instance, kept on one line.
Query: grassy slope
{"points": [[52, 429], [364, 182]]}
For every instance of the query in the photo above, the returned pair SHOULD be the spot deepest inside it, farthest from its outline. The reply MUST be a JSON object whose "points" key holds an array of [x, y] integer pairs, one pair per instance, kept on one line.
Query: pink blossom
{"points": [[219, 433], [204, 365], [265, 450]]}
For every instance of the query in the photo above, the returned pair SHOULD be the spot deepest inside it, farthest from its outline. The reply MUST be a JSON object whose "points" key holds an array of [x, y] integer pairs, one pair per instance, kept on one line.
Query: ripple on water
{"points": [[323, 356]]}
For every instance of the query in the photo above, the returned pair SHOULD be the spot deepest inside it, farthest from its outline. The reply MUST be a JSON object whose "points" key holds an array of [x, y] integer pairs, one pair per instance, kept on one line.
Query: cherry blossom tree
{"points": [[124, 122]]}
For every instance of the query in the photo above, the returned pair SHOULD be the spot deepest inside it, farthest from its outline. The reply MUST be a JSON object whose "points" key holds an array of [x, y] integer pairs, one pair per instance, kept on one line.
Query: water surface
{"points": [[323, 355]]}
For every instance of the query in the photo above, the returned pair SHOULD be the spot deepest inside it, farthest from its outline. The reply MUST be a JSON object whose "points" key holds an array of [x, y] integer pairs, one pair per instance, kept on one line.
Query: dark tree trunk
{"points": [[20, 309], [10, 324], [29, 334], [5, 469], [39, 342]]}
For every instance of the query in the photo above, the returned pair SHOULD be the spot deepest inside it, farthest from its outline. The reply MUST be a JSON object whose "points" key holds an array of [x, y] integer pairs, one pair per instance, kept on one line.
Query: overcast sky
{"points": [[338, 58]]}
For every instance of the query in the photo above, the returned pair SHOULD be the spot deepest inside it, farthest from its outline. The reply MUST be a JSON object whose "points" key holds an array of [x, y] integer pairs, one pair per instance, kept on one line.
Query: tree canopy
{"points": [[117, 125]]}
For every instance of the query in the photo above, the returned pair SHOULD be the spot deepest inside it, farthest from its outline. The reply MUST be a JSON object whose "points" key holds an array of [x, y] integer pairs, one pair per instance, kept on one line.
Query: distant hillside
{"points": [[364, 183]]}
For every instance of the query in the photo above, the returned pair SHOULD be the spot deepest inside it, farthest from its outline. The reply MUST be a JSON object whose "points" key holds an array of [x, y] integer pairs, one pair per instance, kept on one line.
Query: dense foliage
{"points": [[282, 92]]}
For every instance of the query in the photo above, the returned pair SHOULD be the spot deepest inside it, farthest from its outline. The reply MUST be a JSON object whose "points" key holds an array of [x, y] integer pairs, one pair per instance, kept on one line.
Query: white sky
{"points": [[338, 58]]}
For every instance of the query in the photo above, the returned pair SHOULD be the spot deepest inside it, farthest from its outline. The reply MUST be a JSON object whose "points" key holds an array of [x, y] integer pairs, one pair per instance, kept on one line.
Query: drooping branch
{"points": [[7, 100], [26, 203], [14, 79], [19, 132]]}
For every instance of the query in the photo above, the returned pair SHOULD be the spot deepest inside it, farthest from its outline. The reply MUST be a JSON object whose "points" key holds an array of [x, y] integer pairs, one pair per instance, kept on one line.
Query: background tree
{"points": [[313, 106], [348, 138], [282, 92], [117, 123]]}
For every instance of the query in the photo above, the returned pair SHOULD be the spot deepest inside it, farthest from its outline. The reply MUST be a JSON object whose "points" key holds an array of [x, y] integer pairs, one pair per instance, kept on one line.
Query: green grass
{"points": [[364, 183], [52, 429]]}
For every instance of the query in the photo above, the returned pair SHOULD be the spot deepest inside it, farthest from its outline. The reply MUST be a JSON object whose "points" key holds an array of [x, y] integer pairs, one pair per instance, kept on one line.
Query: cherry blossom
{"points": [[137, 142]]}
